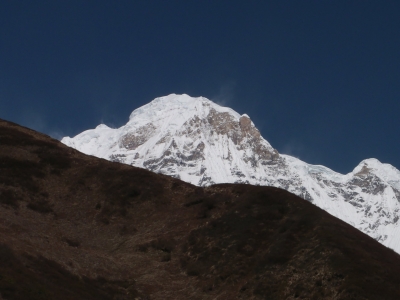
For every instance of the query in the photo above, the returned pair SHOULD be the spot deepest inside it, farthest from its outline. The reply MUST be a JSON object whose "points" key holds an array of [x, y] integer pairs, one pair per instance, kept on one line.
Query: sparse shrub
{"points": [[16, 173], [42, 206], [163, 244], [104, 219], [123, 212], [6, 256], [72, 243], [203, 213], [133, 193], [193, 202], [9, 198], [127, 229], [143, 247], [44, 194], [209, 203], [56, 160], [166, 256], [193, 269]]}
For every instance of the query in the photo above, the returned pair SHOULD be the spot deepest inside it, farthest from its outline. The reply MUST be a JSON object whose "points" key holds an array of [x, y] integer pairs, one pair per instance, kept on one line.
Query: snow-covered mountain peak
{"points": [[368, 164], [203, 143], [372, 167], [183, 105], [193, 133], [102, 126]]}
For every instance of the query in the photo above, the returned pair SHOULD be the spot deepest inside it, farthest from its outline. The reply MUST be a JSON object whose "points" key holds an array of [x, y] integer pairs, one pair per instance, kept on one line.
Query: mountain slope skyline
{"points": [[202, 143], [73, 226]]}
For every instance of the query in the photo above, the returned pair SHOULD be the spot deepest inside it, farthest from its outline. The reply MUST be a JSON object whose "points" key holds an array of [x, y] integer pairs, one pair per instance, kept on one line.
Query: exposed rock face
{"points": [[132, 140], [203, 143]]}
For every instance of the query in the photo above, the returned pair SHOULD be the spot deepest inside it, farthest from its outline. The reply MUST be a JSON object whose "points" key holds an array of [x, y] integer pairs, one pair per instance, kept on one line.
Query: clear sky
{"points": [[320, 79]]}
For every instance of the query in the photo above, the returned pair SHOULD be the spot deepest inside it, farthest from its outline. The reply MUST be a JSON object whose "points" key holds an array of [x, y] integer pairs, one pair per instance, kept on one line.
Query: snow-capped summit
{"points": [[189, 138], [203, 143]]}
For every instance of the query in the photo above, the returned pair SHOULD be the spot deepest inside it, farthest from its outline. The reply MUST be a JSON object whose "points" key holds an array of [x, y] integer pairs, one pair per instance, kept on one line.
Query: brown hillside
{"points": [[74, 226]]}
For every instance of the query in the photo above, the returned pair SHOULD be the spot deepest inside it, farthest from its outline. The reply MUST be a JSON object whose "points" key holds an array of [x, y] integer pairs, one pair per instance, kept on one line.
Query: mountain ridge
{"points": [[202, 143], [74, 226]]}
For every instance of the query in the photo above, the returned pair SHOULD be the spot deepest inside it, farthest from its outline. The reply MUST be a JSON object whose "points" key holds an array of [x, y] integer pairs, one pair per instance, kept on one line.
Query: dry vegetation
{"points": [[77, 227]]}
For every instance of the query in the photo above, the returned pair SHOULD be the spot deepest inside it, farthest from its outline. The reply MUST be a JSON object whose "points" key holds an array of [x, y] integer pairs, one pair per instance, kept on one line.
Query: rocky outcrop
{"points": [[136, 138]]}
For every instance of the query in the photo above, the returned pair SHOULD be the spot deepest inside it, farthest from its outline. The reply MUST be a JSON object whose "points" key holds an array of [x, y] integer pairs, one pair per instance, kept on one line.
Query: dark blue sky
{"points": [[320, 79]]}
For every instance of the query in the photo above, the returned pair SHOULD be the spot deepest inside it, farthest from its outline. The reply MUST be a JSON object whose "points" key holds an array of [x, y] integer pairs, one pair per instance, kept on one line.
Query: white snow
{"points": [[170, 130]]}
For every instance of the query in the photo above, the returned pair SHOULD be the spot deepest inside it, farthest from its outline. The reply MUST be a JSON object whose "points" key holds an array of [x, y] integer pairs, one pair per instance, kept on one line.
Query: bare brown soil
{"points": [[74, 226]]}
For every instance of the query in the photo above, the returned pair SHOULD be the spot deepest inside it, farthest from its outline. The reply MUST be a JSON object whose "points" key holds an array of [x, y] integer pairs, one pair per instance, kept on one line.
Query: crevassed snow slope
{"points": [[203, 143]]}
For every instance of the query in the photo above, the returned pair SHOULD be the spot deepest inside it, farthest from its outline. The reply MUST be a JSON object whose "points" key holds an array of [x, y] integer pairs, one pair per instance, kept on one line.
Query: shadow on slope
{"points": [[77, 227]]}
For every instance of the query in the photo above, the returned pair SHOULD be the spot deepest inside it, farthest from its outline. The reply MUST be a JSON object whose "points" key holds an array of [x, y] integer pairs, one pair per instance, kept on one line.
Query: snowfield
{"points": [[203, 143]]}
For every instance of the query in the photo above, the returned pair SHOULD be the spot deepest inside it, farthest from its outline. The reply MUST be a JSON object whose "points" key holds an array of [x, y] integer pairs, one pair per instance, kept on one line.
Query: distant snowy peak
{"points": [[203, 143], [191, 138], [180, 114], [172, 104], [386, 172]]}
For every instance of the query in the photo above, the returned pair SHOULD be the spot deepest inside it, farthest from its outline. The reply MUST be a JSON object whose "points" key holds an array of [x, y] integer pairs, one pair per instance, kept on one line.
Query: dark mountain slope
{"points": [[78, 227]]}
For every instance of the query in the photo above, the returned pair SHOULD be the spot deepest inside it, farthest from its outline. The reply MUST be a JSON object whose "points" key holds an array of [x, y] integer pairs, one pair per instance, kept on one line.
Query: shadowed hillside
{"points": [[77, 227]]}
